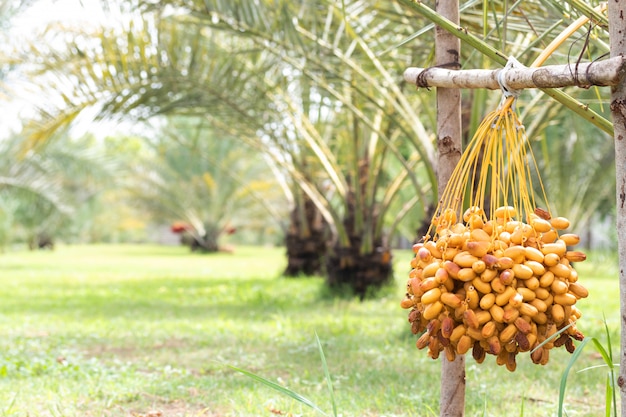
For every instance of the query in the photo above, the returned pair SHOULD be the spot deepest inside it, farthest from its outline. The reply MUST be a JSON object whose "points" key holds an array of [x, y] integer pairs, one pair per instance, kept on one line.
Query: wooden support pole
{"points": [[447, 52], [600, 73], [617, 36]]}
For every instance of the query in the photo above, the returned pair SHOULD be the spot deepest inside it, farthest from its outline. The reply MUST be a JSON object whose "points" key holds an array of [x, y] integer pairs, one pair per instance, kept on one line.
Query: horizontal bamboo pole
{"points": [[601, 73]]}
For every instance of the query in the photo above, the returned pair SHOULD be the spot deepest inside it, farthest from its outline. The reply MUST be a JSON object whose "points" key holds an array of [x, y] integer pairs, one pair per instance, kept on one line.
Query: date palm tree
{"points": [[42, 189], [372, 146], [164, 68], [340, 128], [210, 186]]}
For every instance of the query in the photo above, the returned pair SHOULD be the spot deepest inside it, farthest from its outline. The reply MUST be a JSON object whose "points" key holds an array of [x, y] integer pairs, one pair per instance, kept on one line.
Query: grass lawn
{"points": [[147, 331]]}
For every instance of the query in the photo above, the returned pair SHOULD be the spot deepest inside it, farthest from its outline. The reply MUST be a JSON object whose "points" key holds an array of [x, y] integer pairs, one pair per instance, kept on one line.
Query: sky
{"points": [[68, 11], [29, 24]]}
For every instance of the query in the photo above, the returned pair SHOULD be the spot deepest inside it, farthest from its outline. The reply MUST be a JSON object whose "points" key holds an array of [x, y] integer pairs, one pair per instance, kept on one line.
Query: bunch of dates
{"points": [[497, 286]]}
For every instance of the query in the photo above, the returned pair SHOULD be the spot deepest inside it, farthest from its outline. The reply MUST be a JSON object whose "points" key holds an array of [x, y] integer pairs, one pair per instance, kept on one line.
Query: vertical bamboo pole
{"points": [[447, 51], [617, 36]]}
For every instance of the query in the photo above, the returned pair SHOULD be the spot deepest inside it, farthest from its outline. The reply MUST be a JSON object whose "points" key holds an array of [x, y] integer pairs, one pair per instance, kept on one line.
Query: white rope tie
{"points": [[507, 92]]}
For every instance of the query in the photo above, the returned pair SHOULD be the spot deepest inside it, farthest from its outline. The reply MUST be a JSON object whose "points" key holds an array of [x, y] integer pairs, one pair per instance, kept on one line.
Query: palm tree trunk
{"points": [[356, 267], [347, 268], [306, 239], [447, 51], [206, 243], [617, 29]]}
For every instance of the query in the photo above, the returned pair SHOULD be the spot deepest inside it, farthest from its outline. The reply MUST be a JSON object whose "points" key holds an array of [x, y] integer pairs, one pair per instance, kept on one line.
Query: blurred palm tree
{"points": [[577, 167], [42, 189], [339, 127], [206, 186], [352, 140]]}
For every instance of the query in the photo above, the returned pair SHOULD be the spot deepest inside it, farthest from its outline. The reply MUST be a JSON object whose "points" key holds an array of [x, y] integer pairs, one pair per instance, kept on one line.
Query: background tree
{"points": [[162, 67], [585, 196], [43, 188], [213, 186], [362, 134], [313, 103]]}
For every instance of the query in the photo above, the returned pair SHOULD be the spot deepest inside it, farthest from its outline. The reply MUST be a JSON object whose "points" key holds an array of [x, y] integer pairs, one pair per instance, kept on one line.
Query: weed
{"points": [[607, 357], [286, 391]]}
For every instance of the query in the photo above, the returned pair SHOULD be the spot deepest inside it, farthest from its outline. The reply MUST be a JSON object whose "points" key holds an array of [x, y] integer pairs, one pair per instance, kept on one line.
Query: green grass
{"points": [[129, 330]]}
